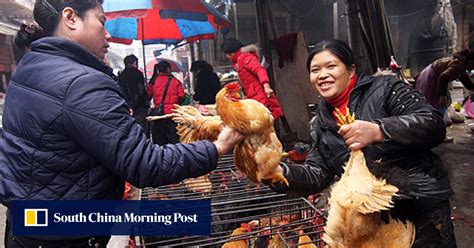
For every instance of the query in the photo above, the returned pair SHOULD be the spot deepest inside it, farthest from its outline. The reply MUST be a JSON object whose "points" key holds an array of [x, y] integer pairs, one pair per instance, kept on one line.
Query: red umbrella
{"points": [[167, 22]]}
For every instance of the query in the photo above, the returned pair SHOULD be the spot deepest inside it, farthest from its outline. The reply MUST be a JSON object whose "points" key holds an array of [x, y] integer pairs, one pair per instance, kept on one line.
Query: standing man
{"points": [[254, 78], [131, 82]]}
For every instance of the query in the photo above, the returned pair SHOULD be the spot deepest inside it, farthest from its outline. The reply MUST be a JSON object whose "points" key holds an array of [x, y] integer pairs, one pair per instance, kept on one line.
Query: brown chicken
{"points": [[304, 241], [193, 126], [356, 202], [259, 153], [241, 233]]}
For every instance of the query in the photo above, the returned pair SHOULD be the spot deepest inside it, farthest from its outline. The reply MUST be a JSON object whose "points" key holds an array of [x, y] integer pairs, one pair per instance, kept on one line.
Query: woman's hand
{"points": [[268, 90], [360, 134], [227, 139]]}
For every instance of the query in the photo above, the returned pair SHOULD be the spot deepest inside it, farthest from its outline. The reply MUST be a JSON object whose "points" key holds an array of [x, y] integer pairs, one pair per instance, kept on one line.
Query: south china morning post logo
{"points": [[108, 217], [36, 217]]}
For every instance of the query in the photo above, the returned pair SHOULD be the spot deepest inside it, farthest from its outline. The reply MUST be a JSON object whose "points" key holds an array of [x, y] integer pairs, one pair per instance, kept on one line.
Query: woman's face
{"points": [[329, 75], [92, 32]]}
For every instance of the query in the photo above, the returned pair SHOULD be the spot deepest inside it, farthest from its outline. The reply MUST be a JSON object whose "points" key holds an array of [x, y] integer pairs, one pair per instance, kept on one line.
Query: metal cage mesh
{"points": [[275, 220]]}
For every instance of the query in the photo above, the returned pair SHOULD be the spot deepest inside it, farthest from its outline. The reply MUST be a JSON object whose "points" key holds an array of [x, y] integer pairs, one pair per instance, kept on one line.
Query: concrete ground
{"points": [[458, 157]]}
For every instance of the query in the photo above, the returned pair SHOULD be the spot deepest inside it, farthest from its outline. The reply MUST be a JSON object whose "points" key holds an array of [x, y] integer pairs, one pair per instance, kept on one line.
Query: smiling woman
{"points": [[395, 126]]}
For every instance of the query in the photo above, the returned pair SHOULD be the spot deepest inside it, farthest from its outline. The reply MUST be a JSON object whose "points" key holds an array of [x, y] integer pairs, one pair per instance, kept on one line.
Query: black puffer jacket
{"points": [[411, 128]]}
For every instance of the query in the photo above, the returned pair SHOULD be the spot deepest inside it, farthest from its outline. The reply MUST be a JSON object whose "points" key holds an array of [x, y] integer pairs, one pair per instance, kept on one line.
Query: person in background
{"points": [[67, 132], [433, 81], [394, 125], [207, 82], [164, 130], [254, 78], [132, 83]]}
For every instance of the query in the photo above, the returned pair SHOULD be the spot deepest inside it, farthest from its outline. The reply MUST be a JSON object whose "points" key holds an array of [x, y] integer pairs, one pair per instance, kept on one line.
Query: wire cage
{"points": [[243, 213]]}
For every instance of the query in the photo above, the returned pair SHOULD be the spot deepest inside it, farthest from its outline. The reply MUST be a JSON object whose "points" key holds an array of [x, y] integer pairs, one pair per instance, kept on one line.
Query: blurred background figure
{"points": [[164, 130], [207, 82], [254, 78], [433, 81], [131, 82]]}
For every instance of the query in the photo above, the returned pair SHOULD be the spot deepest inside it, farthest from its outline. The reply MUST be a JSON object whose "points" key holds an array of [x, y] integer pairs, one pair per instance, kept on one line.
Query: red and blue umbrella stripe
{"points": [[127, 28], [123, 28], [163, 21], [190, 28]]}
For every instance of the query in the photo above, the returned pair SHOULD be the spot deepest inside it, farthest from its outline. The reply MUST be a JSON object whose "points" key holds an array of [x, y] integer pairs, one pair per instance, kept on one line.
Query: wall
{"points": [[6, 61]]}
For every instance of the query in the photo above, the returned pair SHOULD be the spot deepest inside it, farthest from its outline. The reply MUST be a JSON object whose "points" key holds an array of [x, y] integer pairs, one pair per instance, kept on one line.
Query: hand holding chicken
{"points": [[356, 202], [260, 152]]}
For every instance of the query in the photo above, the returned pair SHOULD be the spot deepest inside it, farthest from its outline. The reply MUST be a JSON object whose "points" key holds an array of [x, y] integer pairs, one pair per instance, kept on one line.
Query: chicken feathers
{"points": [[356, 201], [193, 126], [260, 152]]}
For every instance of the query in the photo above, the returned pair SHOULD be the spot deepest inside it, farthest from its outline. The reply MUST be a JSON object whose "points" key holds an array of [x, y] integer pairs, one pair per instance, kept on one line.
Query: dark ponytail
{"points": [[27, 34], [163, 66], [46, 14]]}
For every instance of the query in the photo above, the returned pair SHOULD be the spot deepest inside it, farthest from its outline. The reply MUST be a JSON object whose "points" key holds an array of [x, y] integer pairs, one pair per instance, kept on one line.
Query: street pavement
{"points": [[458, 157]]}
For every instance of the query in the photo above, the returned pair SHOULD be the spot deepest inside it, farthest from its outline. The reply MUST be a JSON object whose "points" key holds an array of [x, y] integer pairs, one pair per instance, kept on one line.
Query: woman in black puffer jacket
{"points": [[395, 124]]}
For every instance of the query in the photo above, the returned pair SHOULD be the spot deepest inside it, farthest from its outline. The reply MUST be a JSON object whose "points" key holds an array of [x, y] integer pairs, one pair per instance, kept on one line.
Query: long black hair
{"points": [[162, 66], [47, 15], [337, 47]]}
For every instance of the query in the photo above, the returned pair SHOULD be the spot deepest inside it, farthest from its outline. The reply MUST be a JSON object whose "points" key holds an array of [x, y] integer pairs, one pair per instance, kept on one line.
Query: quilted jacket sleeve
{"points": [[309, 178], [413, 124], [95, 116]]}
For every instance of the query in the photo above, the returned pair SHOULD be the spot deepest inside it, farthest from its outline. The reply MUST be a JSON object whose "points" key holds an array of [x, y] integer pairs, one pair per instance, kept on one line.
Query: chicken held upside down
{"points": [[356, 201], [259, 153]]}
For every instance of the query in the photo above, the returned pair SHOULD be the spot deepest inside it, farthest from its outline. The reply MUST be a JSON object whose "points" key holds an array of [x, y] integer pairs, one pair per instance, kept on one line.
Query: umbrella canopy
{"points": [[167, 22], [118, 9]]}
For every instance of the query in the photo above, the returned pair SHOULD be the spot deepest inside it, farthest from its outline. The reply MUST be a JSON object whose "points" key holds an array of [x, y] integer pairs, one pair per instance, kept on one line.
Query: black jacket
{"points": [[207, 86], [131, 82], [411, 128]]}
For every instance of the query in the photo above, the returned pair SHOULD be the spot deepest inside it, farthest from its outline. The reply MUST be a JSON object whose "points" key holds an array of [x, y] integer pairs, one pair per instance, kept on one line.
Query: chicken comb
{"points": [[234, 86], [246, 226]]}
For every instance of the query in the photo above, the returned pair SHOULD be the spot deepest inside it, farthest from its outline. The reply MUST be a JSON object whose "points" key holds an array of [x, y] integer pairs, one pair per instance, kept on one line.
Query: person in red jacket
{"points": [[164, 131], [253, 76]]}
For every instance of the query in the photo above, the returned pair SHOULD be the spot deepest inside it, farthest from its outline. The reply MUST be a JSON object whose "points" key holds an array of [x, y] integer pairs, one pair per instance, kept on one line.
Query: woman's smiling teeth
{"points": [[325, 84]]}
